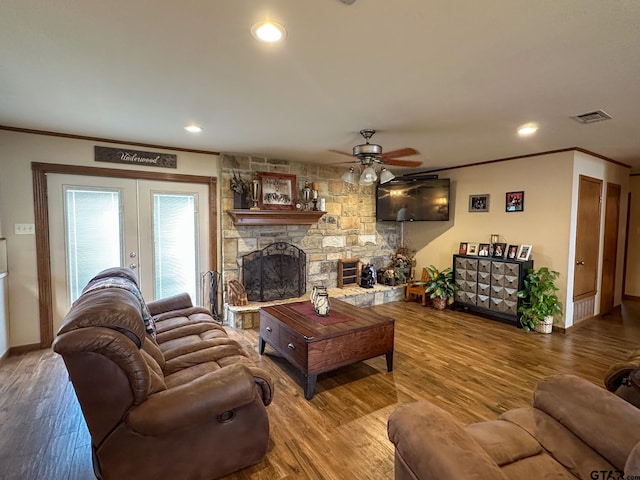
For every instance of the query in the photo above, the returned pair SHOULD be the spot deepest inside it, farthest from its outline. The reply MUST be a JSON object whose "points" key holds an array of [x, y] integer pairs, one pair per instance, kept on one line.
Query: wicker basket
{"points": [[545, 326]]}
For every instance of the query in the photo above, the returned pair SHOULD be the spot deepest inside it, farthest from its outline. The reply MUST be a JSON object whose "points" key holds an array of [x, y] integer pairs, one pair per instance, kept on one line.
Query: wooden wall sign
{"points": [[135, 157]]}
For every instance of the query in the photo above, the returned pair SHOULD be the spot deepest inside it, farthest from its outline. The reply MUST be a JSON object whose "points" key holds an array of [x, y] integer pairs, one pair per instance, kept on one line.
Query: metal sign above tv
{"points": [[413, 199]]}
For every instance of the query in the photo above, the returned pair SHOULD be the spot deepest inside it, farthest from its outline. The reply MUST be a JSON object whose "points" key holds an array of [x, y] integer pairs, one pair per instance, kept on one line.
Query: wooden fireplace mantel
{"points": [[275, 217]]}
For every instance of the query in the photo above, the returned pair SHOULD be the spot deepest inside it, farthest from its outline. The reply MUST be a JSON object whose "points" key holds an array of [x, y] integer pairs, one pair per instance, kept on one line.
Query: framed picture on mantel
{"points": [[277, 191]]}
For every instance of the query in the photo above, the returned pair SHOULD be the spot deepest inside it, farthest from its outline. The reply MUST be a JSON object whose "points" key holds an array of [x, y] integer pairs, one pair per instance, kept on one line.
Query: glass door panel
{"points": [[175, 253]]}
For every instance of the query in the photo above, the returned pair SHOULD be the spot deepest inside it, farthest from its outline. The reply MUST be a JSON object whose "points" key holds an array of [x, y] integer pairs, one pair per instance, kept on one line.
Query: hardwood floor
{"points": [[473, 367]]}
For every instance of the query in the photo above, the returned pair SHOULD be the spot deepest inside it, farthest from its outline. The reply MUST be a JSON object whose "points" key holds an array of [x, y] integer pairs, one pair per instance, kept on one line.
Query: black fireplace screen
{"points": [[276, 272]]}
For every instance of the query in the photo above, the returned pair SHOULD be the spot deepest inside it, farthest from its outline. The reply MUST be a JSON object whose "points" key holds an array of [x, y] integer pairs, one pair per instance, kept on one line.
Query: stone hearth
{"points": [[247, 316]]}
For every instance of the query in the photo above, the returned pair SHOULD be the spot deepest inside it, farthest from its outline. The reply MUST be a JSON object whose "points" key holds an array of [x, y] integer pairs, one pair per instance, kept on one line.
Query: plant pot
{"points": [[440, 303], [545, 326]]}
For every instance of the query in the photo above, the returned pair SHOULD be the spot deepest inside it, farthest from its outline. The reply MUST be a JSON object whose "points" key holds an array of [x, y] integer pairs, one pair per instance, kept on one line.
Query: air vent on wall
{"points": [[592, 117]]}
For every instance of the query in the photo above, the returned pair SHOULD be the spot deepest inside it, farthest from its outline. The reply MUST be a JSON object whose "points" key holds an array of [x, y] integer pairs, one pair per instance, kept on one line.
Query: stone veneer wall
{"points": [[347, 230]]}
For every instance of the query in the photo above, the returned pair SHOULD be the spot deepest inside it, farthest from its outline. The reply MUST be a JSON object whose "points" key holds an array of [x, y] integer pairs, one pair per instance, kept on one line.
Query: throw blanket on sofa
{"points": [[130, 286]]}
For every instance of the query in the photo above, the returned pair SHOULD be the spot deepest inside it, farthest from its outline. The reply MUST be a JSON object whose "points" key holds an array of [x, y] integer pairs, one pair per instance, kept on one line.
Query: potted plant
{"points": [[441, 286], [540, 300]]}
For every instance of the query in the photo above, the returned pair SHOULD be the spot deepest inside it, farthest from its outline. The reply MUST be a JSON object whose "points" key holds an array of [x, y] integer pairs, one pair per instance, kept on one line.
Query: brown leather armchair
{"points": [[189, 407]]}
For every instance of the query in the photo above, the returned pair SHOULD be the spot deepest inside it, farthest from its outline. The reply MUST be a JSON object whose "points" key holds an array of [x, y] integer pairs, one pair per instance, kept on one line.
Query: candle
{"points": [[323, 205]]}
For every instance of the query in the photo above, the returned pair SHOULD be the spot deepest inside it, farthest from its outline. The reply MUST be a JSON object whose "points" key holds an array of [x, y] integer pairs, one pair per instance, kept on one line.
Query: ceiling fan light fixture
{"points": [[269, 32], [386, 175], [349, 176], [368, 176]]}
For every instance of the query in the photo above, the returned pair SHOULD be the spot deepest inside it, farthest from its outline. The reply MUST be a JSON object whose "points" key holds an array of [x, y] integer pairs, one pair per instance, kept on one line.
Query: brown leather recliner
{"points": [[574, 429], [188, 404]]}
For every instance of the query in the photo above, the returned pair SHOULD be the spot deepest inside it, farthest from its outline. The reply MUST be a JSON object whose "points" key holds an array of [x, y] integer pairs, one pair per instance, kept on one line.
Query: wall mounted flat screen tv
{"points": [[413, 200]]}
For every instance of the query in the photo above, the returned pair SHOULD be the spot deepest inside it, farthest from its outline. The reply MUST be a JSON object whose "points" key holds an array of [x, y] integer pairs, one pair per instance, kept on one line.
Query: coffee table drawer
{"points": [[269, 329], [293, 347]]}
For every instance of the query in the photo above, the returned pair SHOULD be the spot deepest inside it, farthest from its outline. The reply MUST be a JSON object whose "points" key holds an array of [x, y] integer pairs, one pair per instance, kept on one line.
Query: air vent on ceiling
{"points": [[592, 117]]}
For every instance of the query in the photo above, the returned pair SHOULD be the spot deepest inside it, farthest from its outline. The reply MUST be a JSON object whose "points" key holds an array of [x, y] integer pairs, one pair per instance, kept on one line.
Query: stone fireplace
{"points": [[348, 230], [276, 272]]}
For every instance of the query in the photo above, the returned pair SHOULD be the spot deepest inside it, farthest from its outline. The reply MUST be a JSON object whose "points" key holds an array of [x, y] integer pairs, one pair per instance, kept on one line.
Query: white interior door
{"points": [[155, 228]]}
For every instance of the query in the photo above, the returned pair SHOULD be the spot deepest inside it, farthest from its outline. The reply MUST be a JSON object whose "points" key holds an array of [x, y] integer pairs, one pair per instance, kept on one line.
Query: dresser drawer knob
{"points": [[291, 346], [269, 329]]}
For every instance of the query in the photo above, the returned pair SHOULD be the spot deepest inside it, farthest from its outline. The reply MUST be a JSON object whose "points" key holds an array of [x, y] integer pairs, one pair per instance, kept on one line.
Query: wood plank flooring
{"points": [[473, 367]]}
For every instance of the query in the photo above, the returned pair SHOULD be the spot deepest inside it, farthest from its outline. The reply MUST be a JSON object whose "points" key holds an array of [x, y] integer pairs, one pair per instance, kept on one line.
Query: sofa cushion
{"points": [[566, 448], [110, 308], [156, 377], [538, 466], [224, 355], [504, 441], [129, 285], [150, 346]]}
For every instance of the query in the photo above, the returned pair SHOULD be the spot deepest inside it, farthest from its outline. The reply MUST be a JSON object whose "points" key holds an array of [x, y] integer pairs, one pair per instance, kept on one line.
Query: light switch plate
{"points": [[25, 229]]}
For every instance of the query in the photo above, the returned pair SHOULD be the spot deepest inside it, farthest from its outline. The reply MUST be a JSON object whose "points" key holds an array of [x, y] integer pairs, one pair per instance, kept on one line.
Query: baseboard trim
{"points": [[23, 349], [4, 356], [630, 297], [575, 326]]}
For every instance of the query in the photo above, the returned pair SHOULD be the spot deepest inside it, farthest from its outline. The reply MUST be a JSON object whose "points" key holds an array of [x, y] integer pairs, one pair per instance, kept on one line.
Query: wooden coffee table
{"points": [[316, 345]]}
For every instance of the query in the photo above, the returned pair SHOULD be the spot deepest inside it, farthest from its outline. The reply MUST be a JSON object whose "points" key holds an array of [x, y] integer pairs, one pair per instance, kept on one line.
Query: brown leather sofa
{"points": [[574, 429], [187, 404]]}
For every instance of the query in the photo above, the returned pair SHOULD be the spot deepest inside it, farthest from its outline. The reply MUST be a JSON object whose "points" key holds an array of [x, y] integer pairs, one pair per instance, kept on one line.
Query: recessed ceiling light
{"points": [[268, 32], [526, 130], [193, 128]]}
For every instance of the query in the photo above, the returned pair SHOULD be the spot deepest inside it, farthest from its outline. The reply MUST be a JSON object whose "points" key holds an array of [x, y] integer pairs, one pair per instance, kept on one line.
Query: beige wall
{"points": [[17, 151], [632, 286], [547, 222]]}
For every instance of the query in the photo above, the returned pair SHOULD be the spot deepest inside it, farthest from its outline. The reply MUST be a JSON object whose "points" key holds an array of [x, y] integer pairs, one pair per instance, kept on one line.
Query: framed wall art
{"points": [[479, 202], [277, 191], [525, 252], [514, 202]]}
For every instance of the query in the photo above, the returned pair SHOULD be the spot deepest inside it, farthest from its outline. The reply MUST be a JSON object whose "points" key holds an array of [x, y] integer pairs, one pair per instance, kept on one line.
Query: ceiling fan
{"points": [[368, 153]]}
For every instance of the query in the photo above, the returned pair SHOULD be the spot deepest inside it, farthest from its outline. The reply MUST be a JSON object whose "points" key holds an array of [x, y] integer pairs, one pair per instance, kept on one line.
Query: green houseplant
{"points": [[540, 300], [441, 286]]}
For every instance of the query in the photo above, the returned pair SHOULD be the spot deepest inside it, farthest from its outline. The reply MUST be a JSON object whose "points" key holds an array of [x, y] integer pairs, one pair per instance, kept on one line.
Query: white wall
{"points": [[632, 286], [17, 151]]}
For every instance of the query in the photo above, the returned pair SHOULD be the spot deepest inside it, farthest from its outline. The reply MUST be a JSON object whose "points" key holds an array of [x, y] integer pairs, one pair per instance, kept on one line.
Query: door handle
{"points": [[133, 266], [578, 262], [132, 255]]}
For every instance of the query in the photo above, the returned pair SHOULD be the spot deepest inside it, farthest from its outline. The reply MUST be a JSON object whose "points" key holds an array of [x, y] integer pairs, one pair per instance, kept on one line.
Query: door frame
{"points": [[39, 173]]}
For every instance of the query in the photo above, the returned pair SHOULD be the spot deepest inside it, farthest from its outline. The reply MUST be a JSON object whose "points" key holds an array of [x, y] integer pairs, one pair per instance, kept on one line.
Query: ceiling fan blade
{"points": [[401, 152], [401, 163], [341, 153], [355, 160]]}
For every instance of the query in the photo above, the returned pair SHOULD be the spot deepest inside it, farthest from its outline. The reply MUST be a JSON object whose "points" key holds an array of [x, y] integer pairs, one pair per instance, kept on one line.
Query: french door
{"points": [[159, 229]]}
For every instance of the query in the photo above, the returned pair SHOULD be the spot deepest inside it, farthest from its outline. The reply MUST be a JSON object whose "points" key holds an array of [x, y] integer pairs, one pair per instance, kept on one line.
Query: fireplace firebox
{"points": [[276, 272]]}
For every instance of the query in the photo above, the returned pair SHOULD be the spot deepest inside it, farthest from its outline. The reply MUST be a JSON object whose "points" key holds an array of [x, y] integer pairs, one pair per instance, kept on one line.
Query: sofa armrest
{"points": [[198, 401], [176, 302], [430, 444]]}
